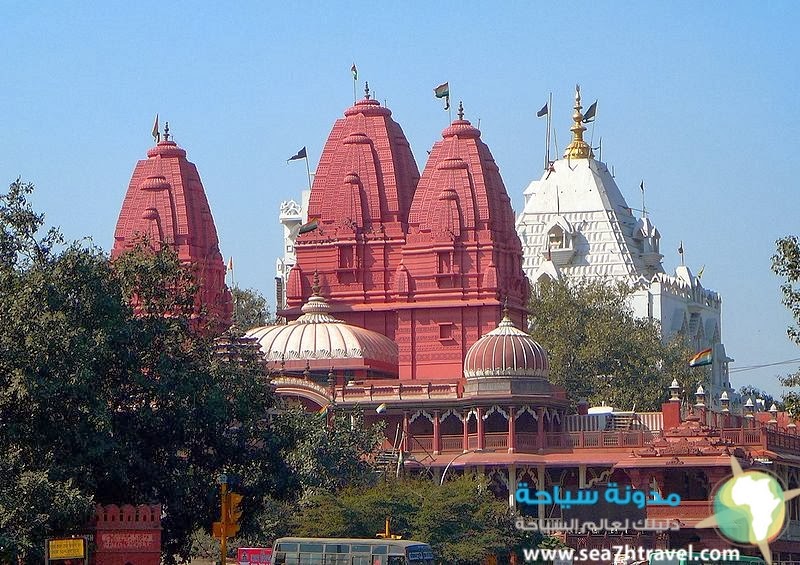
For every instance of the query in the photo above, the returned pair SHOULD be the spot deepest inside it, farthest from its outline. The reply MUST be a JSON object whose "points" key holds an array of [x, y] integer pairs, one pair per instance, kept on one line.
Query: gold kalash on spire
{"points": [[578, 148]]}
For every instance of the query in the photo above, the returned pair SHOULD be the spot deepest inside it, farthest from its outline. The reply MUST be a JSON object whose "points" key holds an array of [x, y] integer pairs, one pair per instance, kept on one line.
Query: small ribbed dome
{"points": [[318, 335], [506, 351], [166, 148]]}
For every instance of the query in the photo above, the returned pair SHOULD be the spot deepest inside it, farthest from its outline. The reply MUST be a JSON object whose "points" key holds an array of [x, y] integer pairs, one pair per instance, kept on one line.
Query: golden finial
{"points": [[578, 148]]}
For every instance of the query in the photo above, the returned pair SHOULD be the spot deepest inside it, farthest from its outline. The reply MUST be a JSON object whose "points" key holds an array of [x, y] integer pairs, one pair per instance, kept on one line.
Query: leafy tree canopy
{"points": [[786, 264], [599, 351], [462, 520], [250, 309], [105, 402]]}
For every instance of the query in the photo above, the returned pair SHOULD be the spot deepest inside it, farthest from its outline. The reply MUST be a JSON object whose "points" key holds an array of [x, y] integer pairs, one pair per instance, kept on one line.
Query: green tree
{"points": [[786, 264], [598, 350], [462, 520], [250, 309], [101, 402]]}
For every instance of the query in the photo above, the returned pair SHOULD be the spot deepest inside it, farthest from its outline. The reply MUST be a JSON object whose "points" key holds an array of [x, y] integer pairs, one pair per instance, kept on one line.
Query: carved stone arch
{"points": [[288, 387], [419, 413], [447, 413], [602, 478], [525, 409], [495, 408]]}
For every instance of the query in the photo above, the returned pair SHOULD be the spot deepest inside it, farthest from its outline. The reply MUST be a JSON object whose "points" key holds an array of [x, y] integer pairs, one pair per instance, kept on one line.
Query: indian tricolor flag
{"points": [[701, 358]]}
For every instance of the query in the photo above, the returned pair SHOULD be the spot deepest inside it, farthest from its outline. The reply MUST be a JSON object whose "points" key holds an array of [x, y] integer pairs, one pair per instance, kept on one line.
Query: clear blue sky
{"points": [[699, 99]]}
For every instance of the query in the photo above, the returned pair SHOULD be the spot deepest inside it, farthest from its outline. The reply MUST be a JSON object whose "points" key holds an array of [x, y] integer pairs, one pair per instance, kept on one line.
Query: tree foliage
{"points": [[98, 403], [250, 309], [462, 520], [786, 264], [598, 350]]}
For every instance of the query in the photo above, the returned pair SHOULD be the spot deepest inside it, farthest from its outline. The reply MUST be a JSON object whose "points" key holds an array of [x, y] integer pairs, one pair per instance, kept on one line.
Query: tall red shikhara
{"points": [[426, 261], [166, 203], [361, 196]]}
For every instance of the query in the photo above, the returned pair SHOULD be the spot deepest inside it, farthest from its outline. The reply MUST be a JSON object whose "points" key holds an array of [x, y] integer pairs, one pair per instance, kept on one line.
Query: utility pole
{"points": [[223, 538]]}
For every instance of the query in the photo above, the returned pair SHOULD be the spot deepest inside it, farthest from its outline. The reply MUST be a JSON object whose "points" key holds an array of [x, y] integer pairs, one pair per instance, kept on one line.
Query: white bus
{"points": [[344, 551]]}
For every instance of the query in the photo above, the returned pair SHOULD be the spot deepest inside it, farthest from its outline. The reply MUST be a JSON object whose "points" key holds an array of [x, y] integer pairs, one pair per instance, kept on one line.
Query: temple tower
{"points": [[166, 203], [358, 209], [576, 225], [462, 259]]}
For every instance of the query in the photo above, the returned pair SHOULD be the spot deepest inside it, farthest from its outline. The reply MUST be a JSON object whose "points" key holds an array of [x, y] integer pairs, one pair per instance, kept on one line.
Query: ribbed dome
{"points": [[318, 335], [506, 351]]}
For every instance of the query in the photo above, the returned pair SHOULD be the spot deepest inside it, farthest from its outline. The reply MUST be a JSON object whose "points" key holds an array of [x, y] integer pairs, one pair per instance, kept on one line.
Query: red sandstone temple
{"points": [[409, 298], [409, 301]]}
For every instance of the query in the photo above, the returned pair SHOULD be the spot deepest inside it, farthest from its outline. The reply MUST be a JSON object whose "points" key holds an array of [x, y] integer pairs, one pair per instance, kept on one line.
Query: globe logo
{"points": [[750, 508]]}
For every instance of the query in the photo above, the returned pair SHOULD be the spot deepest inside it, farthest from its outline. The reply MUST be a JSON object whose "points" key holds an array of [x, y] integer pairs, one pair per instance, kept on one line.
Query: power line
{"points": [[753, 367]]}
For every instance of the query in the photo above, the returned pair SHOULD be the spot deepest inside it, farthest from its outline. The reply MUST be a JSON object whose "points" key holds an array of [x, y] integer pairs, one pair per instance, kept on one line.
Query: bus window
{"points": [[380, 549], [288, 547], [337, 548], [311, 547], [397, 560], [378, 560], [361, 560]]}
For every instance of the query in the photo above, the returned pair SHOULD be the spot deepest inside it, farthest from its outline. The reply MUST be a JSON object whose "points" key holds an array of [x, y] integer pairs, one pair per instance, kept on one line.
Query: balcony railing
{"points": [[451, 444], [783, 441], [742, 436], [527, 442], [496, 440]]}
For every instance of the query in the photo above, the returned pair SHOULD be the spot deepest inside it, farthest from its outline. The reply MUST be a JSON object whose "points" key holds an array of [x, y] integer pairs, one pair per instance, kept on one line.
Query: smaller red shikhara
{"points": [[166, 203]]}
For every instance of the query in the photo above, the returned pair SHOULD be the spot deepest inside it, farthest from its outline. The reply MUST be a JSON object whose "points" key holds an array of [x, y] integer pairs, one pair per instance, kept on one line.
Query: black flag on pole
{"points": [[300, 155], [589, 115], [543, 111]]}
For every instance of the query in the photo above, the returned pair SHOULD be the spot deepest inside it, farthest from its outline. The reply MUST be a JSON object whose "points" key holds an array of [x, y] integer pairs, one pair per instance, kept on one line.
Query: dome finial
{"points": [[166, 131], [505, 307], [460, 110], [578, 148], [366, 90]]}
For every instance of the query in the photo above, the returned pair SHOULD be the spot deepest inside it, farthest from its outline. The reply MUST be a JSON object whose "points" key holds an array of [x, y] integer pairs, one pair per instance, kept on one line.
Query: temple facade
{"points": [[576, 225], [405, 298]]}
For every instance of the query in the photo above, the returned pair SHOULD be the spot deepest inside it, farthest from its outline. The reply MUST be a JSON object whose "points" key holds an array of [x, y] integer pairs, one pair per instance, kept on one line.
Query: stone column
{"points": [[512, 442], [481, 438], [436, 435], [541, 485], [512, 486], [405, 441], [465, 445], [582, 476]]}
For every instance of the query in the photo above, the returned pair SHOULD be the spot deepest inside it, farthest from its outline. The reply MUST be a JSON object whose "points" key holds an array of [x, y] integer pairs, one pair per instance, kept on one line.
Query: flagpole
{"points": [[547, 134], [644, 210], [308, 170]]}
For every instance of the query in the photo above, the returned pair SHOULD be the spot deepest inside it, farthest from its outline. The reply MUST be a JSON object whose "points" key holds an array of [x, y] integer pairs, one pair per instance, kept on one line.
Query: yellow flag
{"points": [[156, 134], [230, 263]]}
